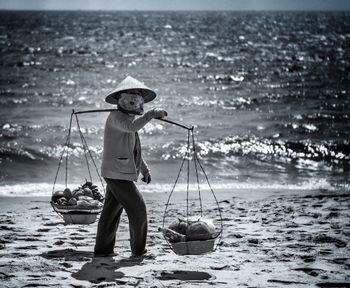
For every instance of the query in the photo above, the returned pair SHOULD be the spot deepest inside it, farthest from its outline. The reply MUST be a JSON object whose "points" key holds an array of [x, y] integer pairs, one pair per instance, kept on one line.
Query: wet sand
{"points": [[271, 239]]}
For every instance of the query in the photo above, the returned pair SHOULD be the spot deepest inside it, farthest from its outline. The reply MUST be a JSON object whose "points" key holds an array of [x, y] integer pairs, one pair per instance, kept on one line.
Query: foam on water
{"points": [[45, 189]]}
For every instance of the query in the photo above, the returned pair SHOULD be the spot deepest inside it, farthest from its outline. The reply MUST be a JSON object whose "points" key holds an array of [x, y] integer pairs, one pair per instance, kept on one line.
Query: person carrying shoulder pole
{"points": [[122, 163]]}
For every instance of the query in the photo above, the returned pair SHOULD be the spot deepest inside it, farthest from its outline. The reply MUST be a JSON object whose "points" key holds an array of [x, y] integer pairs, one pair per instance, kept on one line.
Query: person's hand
{"points": [[159, 113], [146, 178]]}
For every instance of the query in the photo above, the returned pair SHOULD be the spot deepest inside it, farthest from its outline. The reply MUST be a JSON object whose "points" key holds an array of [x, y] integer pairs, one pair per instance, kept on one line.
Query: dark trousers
{"points": [[122, 194]]}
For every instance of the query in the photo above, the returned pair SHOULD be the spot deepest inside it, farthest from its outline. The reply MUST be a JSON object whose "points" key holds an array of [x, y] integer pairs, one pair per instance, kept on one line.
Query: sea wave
{"points": [[11, 154], [261, 148], [15, 130], [74, 151], [45, 189], [258, 148]]}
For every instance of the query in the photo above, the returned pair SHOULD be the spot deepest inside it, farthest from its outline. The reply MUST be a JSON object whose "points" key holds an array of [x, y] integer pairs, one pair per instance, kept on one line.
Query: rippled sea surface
{"points": [[267, 92]]}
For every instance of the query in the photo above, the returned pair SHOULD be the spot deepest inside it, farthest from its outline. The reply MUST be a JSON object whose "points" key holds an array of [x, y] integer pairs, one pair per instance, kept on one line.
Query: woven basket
{"points": [[79, 218], [193, 247], [77, 214]]}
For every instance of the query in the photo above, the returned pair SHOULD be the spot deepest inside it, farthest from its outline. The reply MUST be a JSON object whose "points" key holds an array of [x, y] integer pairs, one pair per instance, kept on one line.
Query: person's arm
{"points": [[145, 171], [124, 123], [144, 167]]}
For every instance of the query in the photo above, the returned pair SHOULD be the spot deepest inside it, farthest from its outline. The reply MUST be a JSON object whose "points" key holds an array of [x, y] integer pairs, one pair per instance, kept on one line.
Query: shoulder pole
{"points": [[110, 110]]}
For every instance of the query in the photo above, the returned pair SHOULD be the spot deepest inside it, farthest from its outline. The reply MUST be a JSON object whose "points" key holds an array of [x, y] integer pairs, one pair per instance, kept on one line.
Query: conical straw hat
{"points": [[130, 83]]}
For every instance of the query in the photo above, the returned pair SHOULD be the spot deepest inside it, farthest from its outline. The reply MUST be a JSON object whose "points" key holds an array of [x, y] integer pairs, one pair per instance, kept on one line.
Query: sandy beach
{"points": [[271, 239], [264, 91]]}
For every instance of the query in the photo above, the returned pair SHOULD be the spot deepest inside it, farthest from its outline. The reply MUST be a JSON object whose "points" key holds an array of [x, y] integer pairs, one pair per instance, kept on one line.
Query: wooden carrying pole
{"points": [[110, 110]]}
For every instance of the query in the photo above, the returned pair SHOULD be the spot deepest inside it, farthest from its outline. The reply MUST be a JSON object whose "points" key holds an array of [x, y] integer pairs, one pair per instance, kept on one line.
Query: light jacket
{"points": [[122, 157]]}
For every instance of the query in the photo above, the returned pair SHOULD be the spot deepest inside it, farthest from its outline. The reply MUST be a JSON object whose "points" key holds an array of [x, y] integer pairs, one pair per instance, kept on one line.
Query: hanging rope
{"points": [[172, 190], [87, 148], [196, 170], [84, 146], [188, 172], [216, 200], [66, 144]]}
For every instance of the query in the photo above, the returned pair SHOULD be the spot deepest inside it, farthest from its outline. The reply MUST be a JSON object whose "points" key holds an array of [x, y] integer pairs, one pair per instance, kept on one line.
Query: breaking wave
{"points": [[45, 189]]}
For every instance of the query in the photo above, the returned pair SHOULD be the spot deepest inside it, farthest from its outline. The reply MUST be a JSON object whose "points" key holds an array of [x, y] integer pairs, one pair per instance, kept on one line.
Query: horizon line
{"points": [[179, 10]]}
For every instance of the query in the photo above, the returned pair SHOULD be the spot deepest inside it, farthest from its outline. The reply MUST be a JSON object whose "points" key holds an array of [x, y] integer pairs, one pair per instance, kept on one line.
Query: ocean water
{"points": [[267, 93]]}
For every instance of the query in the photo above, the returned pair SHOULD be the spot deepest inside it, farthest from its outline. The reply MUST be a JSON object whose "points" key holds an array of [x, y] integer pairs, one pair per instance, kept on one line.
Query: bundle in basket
{"points": [[80, 206], [191, 237]]}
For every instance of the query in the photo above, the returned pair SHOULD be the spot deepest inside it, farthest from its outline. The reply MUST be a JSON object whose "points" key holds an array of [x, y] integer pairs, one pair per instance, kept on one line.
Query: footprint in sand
{"points": [[310, 271], [43, 230]]}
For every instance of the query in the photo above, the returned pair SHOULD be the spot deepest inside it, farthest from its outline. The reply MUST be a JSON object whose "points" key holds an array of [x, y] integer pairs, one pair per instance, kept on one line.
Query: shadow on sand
{"points": [[183, 275], [68, 255], [98, 269]]}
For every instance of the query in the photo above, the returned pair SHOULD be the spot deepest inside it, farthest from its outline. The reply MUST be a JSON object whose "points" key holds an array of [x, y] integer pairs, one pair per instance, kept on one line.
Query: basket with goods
{"points": [[78, 206], [192, 235], [195, 236], [82, 204]]}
